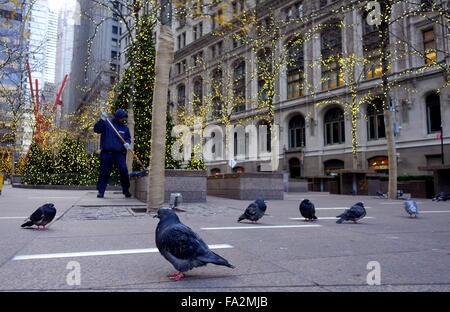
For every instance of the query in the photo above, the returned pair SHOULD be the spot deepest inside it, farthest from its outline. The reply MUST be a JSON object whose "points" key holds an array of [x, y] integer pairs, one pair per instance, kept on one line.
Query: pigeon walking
{"points": [[181, 246], [411, 208], [42, 216], [355, 213], [307, 210], [254, 211]]}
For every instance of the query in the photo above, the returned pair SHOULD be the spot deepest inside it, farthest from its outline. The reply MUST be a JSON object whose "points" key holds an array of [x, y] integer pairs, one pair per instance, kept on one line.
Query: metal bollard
{"points": [[175, 200]]}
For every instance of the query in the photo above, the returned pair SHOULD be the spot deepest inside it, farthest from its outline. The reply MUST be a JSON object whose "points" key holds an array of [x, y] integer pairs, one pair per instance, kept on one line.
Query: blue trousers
{"points": [[107, 161]]}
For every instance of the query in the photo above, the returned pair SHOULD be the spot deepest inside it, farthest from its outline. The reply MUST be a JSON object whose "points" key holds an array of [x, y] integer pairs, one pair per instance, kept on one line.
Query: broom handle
{"points": [[124, 142]]}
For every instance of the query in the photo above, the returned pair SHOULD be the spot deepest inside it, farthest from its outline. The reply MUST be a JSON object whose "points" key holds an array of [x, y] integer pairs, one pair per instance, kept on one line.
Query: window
{"points": [[298, 9], [237, 41], [288, 14], [379, 163], [115, 30], [181, 41], [216, 19], [239, 89], [215, 171], [295, 70], [114, 55], [334, 127], [297, 136], [331, 47], [375, 120], [371, 50], [426, 5], [197, 59], [181, 96], [198, 31], [198, 95], [433, 103], [332, 165], [115, 42], [429, 45], [265, 86], [217, 91]]}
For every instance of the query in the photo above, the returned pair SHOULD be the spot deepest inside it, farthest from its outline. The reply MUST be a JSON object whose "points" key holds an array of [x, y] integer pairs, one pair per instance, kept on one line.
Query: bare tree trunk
{"points": [[386, 6], [163, 62]]}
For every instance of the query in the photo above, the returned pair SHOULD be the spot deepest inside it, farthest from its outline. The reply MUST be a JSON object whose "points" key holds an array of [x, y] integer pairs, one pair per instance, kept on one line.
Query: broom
{"points": [[135, 173]]}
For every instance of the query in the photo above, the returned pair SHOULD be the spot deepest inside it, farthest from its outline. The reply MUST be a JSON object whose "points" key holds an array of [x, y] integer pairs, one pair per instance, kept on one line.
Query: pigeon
{"points": [[254, 211], [181, 246], [355, 213], [380, 194], [42, 216], [307, 210], [411, 208], [441, 196]]}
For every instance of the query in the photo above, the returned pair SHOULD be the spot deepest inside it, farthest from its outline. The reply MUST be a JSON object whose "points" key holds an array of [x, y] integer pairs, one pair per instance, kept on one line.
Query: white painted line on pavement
{"points": [[327, 218], [54, 197], [442, 211], [338, 208], [102, 253], [23, 218], [258, 227], [397, 203]]}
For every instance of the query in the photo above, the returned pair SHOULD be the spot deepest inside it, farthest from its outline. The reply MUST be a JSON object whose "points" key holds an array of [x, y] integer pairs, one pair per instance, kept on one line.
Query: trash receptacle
{"points": [[1, 182]]}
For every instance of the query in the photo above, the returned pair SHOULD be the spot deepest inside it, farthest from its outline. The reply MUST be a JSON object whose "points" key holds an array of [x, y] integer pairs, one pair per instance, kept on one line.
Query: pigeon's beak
{"points": [[155, 216]]}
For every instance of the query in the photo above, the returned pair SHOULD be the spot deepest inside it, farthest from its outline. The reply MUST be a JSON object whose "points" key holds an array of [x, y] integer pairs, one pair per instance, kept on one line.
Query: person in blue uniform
{"points": [[113, 151]]}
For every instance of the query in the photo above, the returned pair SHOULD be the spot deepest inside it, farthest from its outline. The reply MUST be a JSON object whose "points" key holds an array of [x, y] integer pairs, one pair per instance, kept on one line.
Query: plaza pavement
{"points": [[414, 254]]}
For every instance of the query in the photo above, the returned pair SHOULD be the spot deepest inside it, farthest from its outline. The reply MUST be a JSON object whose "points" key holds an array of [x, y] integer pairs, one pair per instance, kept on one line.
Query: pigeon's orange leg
{"points": [[177, 276]]}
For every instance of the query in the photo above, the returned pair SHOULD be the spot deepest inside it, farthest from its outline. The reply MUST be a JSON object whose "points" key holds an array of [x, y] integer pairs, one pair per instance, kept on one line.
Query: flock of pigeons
{"points": [[185, 250]]}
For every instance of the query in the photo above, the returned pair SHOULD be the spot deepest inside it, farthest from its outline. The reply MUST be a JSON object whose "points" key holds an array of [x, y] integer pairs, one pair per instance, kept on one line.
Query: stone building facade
{"points": [[316, 139]]}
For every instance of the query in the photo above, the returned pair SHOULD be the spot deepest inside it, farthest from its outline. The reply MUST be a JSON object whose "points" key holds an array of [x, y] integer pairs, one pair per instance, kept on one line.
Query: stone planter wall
{"points": [[191, 184], [297, 186], [247, 186]]}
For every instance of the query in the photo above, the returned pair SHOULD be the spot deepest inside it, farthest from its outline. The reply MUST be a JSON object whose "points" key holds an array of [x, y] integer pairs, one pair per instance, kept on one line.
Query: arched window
{"points": [[375, 120], [434, 122], [332, 165], [295, 69], [239, 90], [181, 96], [198, 94], [217, 92], [265, 75], [297, 136], [334, 126], [238, 169], [331, 48]]}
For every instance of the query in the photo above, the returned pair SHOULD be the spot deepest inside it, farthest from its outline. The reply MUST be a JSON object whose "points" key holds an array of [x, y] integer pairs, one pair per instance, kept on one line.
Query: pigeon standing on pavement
{"points": [[42, 216], [355, 213], [254, 211], [181, 246], [441, 196], [307, 210], [411, 208]]}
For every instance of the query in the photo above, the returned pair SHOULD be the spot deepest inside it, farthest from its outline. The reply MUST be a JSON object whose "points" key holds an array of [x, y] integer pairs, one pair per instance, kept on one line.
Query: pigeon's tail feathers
{"points": [[340, 221], [28, 223], [314, 217], [214, 258]]}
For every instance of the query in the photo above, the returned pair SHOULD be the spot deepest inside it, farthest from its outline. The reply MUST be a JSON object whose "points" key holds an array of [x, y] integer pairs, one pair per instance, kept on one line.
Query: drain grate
{"points": [[101, 213]]}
